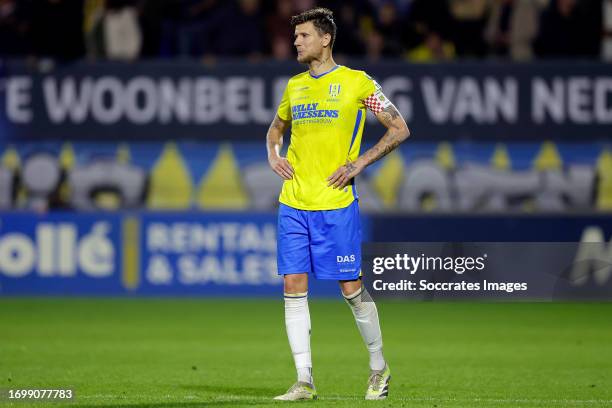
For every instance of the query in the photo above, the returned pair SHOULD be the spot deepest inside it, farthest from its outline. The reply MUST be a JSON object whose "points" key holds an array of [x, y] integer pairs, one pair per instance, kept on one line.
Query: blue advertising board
{"points": [[217, 254], [207, 254], [155, 253], [60, 253]]}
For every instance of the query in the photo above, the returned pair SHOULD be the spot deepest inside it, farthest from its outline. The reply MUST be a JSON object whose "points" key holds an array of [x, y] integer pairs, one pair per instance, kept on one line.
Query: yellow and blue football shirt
{"points": [[327, 114]]}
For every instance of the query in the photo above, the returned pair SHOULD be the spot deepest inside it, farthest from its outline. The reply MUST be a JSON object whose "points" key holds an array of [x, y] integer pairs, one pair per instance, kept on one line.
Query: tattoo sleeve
{"points": [[278, 123], [388, 115], [397, 132]]}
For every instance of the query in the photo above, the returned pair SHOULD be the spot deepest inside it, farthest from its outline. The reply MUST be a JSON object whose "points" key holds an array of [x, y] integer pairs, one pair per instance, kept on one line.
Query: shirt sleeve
{"points": [[366, 86], [372, 96], [284, 108]]}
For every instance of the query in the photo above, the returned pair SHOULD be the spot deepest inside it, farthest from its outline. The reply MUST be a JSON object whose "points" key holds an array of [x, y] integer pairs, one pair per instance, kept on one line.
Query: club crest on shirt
{"points": [[334, 90]]}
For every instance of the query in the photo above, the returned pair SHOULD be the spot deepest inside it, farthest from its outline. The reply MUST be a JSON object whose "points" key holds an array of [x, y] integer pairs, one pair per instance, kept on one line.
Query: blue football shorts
{"points": [[324, 243]]}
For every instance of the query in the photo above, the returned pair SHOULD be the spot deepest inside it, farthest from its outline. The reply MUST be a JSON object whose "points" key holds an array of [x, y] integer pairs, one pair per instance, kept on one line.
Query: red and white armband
{"points": [[377, 102]]}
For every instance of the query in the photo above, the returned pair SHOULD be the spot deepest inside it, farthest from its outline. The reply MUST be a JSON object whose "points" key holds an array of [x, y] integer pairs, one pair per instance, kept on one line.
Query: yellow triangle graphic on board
{"points": [[170, 186], [388, 179], [500, 159], [222, 187], [67, 161], [123, 154], [604, 186], [10, 159], [548, 158], [67, 158], [445, 157]]}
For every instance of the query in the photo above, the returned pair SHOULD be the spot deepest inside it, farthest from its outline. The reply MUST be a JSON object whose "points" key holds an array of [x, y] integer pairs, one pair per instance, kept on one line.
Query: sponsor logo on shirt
{"points": [[345, 258], [311, 110]]}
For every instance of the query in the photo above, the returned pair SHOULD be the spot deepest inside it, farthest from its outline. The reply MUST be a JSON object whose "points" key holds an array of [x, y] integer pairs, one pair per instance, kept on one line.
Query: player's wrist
{"points": [[273, 156], [359, 163]]}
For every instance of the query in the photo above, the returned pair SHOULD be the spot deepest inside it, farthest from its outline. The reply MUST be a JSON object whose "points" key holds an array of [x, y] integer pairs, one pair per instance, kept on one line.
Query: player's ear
{"points": [[326, 40]]}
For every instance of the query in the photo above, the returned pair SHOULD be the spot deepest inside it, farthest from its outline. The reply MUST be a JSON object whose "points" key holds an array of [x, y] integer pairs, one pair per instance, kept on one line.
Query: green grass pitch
{"points": [[206, 353]]}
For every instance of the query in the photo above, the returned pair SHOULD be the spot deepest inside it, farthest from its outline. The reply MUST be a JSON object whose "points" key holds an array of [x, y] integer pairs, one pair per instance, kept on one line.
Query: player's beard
{"points": [[304, 59], [308, 58]]}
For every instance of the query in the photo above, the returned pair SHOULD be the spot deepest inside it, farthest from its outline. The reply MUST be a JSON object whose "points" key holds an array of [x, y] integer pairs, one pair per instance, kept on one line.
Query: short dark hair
{"points": [[322, 19]]}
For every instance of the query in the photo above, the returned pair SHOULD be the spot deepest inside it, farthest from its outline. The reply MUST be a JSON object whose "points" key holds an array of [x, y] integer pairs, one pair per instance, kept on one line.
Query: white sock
{"points": [[297, 322], [366, 316]]}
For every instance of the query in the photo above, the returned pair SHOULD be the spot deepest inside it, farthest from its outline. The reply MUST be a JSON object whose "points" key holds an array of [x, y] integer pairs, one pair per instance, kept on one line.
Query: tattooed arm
{"points": [[397, 132], [274, 143]]}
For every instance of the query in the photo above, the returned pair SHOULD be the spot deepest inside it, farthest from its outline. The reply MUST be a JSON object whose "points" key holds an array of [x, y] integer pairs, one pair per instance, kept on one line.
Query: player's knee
{"points": [[350, 287], [296, 283]]}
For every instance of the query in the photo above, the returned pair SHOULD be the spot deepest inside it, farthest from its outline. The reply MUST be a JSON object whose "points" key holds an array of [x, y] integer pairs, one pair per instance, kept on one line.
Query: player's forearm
{"points": [[390, 140], [274, 138], [274, 143]]}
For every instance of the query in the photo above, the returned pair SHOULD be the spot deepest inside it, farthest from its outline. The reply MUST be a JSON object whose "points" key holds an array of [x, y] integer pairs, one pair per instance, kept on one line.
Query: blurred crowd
{"points": [[416, 30]]}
